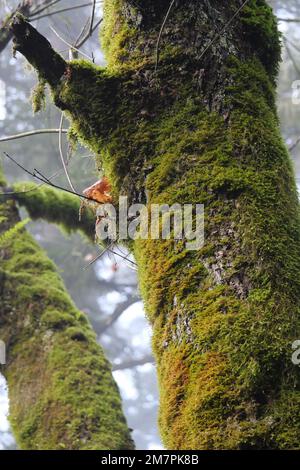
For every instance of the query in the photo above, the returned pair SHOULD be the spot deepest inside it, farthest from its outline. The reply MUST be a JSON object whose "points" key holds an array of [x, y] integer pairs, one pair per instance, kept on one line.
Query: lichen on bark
{"points": [[203, 129]]}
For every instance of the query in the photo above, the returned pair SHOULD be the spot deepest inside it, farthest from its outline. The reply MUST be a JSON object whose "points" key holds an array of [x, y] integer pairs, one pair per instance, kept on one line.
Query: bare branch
{"points": [[290, 20], [161, 31], [35, 174], [131, 363], [43, 8], [31, 133], [117, 313], [62, 155], [92, 17], [25, 8], [63, 10], [90, 29], [5, 32], [70, 45]]}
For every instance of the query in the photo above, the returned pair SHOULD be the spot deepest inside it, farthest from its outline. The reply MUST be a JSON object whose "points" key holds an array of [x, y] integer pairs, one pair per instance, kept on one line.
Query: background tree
{"points": [[224, 318]]}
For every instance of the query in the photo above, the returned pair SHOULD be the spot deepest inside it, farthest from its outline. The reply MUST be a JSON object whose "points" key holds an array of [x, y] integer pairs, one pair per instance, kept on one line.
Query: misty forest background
{"points": [[107, 291]]}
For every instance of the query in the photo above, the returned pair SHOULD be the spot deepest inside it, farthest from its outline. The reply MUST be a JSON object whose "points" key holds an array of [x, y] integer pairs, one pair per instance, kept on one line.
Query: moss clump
{"points": [[260, 27], [9, 234], [38, 96]]}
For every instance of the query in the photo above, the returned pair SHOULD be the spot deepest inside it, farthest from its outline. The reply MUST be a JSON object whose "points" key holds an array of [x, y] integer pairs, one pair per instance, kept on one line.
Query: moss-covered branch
{"points": [[54, 206], [37, 50], [61, 390]]}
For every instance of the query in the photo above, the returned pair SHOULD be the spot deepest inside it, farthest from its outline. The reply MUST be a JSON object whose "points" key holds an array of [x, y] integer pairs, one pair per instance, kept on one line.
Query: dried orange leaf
{"points": [[100, 191]]}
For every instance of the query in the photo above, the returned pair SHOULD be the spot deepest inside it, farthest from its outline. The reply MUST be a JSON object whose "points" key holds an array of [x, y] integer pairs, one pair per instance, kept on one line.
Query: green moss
{"points": [[9, 234], [261, 30], [116, 34], [62, 394], [38, 96], [224, 350]]}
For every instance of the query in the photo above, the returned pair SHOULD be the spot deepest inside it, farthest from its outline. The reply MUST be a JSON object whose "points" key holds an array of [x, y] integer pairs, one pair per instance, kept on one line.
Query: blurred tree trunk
{"points": [[191, 118], [61, 390]]}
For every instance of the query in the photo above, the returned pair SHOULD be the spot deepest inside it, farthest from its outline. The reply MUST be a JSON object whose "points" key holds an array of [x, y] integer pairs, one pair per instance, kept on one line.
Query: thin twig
{"points": [[92, 17], [34, 175], [98, 256], [40, 10], [31, 133], [223, 29], [161, 31], [38, 186], [62, 154], [63, 10], [90, 28], [84, 39], [39, 176], [82, 32], [125, 258], [294, 145], [70, 45]]}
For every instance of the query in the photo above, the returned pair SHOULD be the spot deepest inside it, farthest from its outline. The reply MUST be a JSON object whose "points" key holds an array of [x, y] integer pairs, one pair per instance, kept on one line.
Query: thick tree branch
{"points": [[62, 394], [37, 50]]}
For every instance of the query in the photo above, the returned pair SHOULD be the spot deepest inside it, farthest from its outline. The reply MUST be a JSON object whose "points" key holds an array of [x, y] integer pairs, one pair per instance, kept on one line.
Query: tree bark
{"points": [[200, 126], [61, 390]]}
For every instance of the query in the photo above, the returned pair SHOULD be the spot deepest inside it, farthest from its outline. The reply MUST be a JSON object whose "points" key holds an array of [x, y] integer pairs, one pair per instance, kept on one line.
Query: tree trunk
{"points": [[191, 118], [61, 391]]}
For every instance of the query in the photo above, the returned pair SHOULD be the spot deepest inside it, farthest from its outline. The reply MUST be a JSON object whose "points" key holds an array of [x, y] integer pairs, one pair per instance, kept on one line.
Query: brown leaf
{"points": [[100, 191]]}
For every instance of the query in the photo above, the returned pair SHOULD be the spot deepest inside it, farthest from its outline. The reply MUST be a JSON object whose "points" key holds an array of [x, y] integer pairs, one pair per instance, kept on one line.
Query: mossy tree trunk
{"points": [[202, 128], [61, 390]]}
